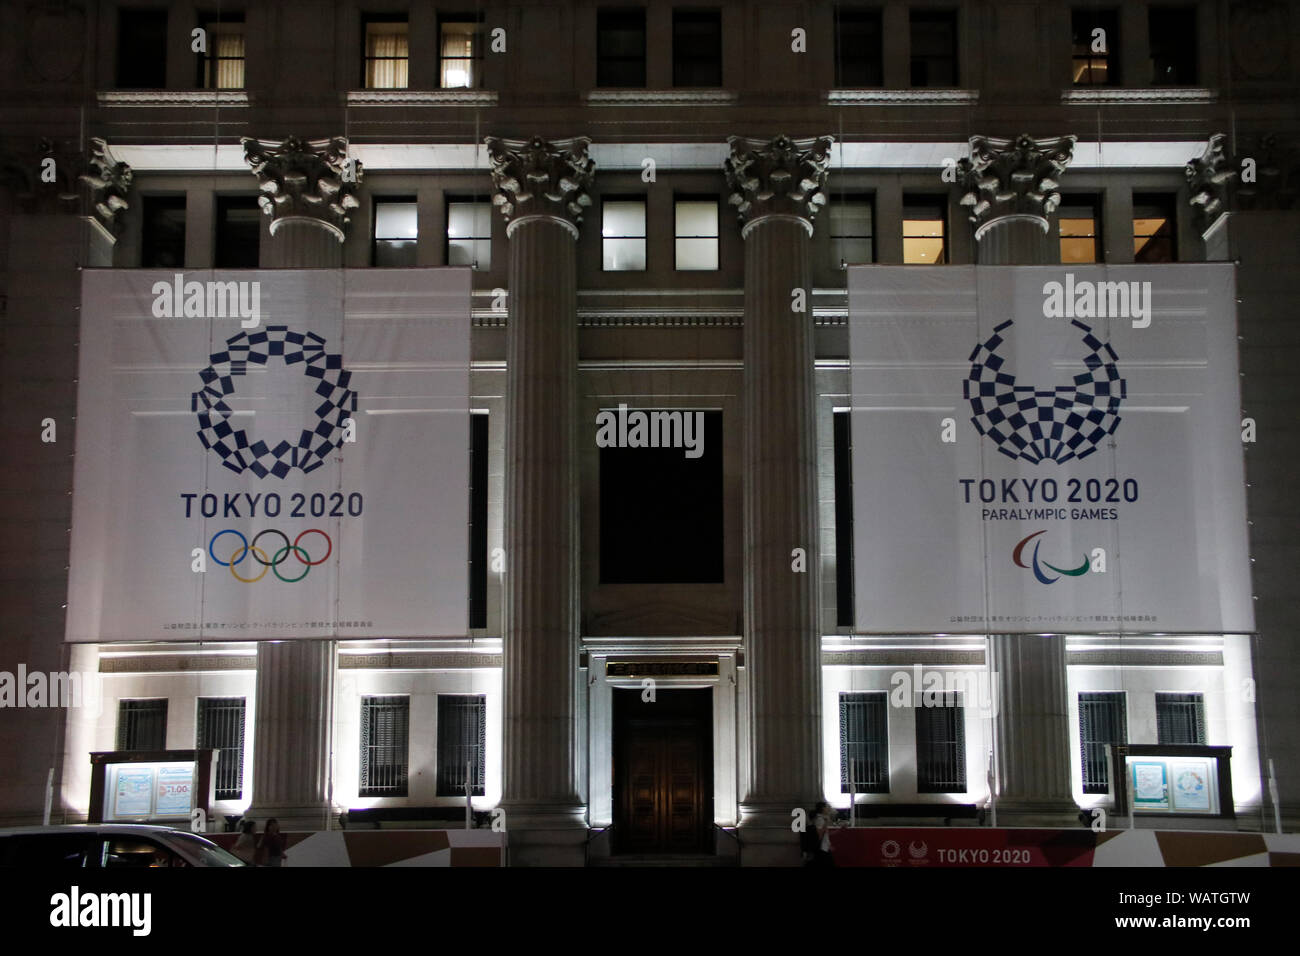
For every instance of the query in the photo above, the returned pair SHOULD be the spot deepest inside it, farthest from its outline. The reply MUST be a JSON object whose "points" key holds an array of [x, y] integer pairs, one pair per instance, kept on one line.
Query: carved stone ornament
{"points": [[107, 184], [305, 179], [1013, 177], [1210, 181], [779, 177], [538, 177]]}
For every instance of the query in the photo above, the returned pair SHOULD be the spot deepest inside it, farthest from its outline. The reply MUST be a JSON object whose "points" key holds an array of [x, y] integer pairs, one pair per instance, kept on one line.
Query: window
{"points": [[622, 231], [129, 852], [851, 228], [941, 746], [142, 724], [1172, 31], [934, 47], [142, 49], [1101, 722], [1180, 719], [1154, 239], [386, 54], [859, 57], [923, 230], [221, 726], [620, 47], [469, 233], [222, 66], [478, 519], [864, 742], [239, 232], [843, 520], [462, 743], [396, 232], [385, 723], [696, 234], [162, 234], [697, 48], [48, 850], [460, 51], [1078, 222], [1095, 54], [660, 511]]}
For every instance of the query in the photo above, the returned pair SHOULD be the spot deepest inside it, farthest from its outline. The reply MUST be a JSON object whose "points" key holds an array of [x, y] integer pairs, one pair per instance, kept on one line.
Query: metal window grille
{"points": [[864, 742], [142, 724], [220, 725], [462, 739], [941, 746], [1101, 722], [1180, 719], [385, 734]]}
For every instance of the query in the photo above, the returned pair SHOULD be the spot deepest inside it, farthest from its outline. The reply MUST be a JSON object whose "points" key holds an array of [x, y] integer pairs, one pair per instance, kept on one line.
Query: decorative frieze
{"points": [[305, 180], [540, 178], [1013, 178], [782, 177]]}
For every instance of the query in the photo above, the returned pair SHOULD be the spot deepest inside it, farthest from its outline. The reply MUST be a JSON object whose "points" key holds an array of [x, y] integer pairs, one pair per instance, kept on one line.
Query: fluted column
{"points": [[1011, 189], [777, 187], [541, 190], [307, 189]]}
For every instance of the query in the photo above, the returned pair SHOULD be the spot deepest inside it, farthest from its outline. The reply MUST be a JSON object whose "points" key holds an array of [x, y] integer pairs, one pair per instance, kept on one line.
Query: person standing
{"points": [[270, 849], [246, 846], [823, 820]]}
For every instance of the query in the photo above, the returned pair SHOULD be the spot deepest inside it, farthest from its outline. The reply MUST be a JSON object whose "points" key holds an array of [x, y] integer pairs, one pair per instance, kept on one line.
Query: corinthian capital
{"points": [[107, 183], [1210, 179], [305, 180], [780, 177], [541, 178], [1013, 177]]}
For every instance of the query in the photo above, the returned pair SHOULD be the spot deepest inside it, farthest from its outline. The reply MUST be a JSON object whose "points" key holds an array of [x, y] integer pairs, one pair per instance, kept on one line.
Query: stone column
{"points": [[307, 190], [1011, 190], [777, 187], [541, 190]]}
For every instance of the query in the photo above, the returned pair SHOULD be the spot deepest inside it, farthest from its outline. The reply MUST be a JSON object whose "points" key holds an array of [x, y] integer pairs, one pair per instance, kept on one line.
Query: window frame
{"points": [[124, 732], [224, 763], [641, 200], [934, 203], [1159, 40], [922, 16], [454, 200], [1076, 201], [876, 700], [1167, 205], [954, 710], [626, 14], [398, 773], [1107, 18], [376, 239], [684, 64], [152, 203], [865, 199], [130, 57], [873, 64], [213, 24], [223, 203], [475, 58], [376, 19], [1116, 702], [679, 198], [443, 781], [1193, 703]]}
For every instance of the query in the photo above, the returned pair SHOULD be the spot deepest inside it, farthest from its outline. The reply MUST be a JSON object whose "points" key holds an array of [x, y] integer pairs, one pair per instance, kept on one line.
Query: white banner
{"points": [[271, 454], [1047, 449]]}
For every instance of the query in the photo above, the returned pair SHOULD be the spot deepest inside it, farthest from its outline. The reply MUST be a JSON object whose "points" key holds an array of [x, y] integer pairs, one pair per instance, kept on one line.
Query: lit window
{"points": [[462, 744], [851, 231], [220, 726], [696, 234], [386, 55], [142, 724], [1094, 35], [385, 737], [923, 233], [1079, 233], [469, 234], [223, 64], [864, 743], [1153, 228], [622, 233], [460, 53], [396, 232]]}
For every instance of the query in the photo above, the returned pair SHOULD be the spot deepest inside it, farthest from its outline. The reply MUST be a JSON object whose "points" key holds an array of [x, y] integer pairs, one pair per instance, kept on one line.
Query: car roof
{"points": [[139, 829]]}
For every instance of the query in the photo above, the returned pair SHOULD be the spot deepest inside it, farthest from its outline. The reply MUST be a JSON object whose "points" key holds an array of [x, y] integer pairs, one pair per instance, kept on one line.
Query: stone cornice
{"points": [[541, 178], [875, 97], [422, 98], [1154, 96], [167, 98], [1013, 177], [108, 183], [778, 177], [305, 180], [661, 98]]}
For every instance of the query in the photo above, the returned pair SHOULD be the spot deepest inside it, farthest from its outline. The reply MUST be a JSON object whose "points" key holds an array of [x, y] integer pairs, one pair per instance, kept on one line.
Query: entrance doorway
{"points": [[663, 771]]}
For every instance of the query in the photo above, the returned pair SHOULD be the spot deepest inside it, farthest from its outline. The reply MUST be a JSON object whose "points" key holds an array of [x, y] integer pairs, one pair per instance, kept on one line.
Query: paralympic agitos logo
{"points": [[1017, 556]]}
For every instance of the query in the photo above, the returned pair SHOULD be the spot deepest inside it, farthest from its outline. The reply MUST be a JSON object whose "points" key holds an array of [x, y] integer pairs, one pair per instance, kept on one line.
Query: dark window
{"points": [[697, 48], [852, 230], [222, 66], [1101, 722], [843, 520], [622, 231], [941, 746], [934, 47], [864, 742], [396, 232], [142, 724], [46, 850], [1095, 54], [1172, 31], [924, 235], [1180, 719], [460, 51], [221, 725], [385, 724], [620, 47], [859, 56], [385, 52], [478, 519], [142, 49], [1154, 228], [469, 233], [462, 743], [660, 511], [239, 232], [1080, 226], [162, 234]]}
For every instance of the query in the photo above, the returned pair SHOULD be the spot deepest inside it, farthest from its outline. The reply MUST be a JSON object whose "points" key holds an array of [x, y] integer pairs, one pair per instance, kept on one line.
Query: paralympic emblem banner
{"points": [[1047, 449], [271, 455]]}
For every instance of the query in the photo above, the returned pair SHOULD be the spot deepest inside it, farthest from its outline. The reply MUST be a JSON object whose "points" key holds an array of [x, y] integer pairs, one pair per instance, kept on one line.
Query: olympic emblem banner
{"points": [[271, 454], [1047, 449]]}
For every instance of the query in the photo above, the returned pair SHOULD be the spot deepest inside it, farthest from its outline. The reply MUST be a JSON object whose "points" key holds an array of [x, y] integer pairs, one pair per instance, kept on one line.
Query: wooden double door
{"points": [[663, 772]]}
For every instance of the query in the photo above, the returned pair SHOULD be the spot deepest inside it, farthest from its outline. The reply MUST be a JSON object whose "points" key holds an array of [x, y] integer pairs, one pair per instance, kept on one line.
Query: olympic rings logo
{"points": [[246, 549]]}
